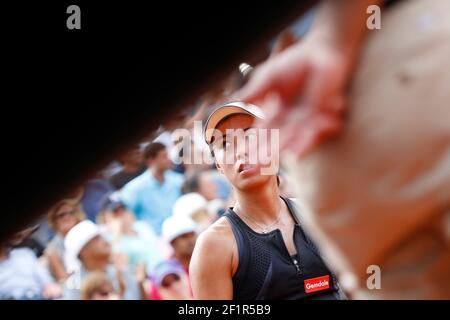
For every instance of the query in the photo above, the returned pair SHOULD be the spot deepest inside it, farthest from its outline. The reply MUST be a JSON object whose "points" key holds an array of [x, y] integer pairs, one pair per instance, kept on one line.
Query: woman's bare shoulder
{"points": [[219, 231]]}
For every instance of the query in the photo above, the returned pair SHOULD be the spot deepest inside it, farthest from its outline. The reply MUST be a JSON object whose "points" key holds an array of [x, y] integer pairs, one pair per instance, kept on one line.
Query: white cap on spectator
{"points": [[175, 226], [76, 239], [188, 204]]}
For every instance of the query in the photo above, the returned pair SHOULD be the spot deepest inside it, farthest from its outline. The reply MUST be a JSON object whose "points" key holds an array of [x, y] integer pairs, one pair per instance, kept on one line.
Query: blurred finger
{"points": [[320, 127], [323, 91], [294, 125], [273, 112], [260, 83]]}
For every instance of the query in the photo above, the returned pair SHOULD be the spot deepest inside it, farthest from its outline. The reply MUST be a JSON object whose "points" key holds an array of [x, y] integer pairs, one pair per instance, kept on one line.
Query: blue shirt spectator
{"points": [[152, 194], [94, 192], [152, 200]]}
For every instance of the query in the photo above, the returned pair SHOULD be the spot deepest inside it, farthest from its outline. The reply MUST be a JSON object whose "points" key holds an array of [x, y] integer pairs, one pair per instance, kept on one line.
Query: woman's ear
{"points": [[215, 162]]}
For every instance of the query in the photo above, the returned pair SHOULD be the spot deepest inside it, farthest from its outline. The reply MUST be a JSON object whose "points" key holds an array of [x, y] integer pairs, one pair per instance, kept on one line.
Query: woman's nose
{"points": [[241, 153], [241, 146]]}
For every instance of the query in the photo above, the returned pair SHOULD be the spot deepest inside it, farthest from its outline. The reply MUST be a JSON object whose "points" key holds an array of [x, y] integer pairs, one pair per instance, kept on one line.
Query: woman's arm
{"points": [[303, 88], [211, 266]]}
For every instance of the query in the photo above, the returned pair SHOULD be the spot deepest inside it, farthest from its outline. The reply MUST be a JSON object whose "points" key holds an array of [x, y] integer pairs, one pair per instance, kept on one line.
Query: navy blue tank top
{"points": [[267, 271]]}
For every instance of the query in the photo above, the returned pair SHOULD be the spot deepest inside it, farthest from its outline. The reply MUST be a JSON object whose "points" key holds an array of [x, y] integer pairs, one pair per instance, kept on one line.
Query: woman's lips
{"points": [[247, 169]]}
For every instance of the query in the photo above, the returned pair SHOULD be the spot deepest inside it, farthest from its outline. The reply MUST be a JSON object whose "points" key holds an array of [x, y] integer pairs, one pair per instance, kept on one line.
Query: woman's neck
{"points": [[262, 204]]}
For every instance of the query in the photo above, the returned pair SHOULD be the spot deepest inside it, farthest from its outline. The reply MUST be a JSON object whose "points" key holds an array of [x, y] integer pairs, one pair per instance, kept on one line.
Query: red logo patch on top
{"points": [[317, 284]]}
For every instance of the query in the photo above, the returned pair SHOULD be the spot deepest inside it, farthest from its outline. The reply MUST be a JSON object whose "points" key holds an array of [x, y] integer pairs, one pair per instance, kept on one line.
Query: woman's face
{"points": [[237, 152], [65, 218]]}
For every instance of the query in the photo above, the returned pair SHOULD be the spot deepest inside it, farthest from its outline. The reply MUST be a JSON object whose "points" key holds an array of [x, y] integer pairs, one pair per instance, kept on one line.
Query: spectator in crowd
{"points": [[201, 183], [127, 236], [21, 274], [41, 237], [61, 218], [35, 245], [181, 232], [165, 135], [132, 166], [193, 206], [97, 286], [87, 251], [170, 282], [152, 195], [94, 192], [205, 184]]}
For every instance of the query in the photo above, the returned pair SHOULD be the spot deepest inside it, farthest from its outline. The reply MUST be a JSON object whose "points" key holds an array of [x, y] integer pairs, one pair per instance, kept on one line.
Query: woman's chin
{"points": [[254, 181]]}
